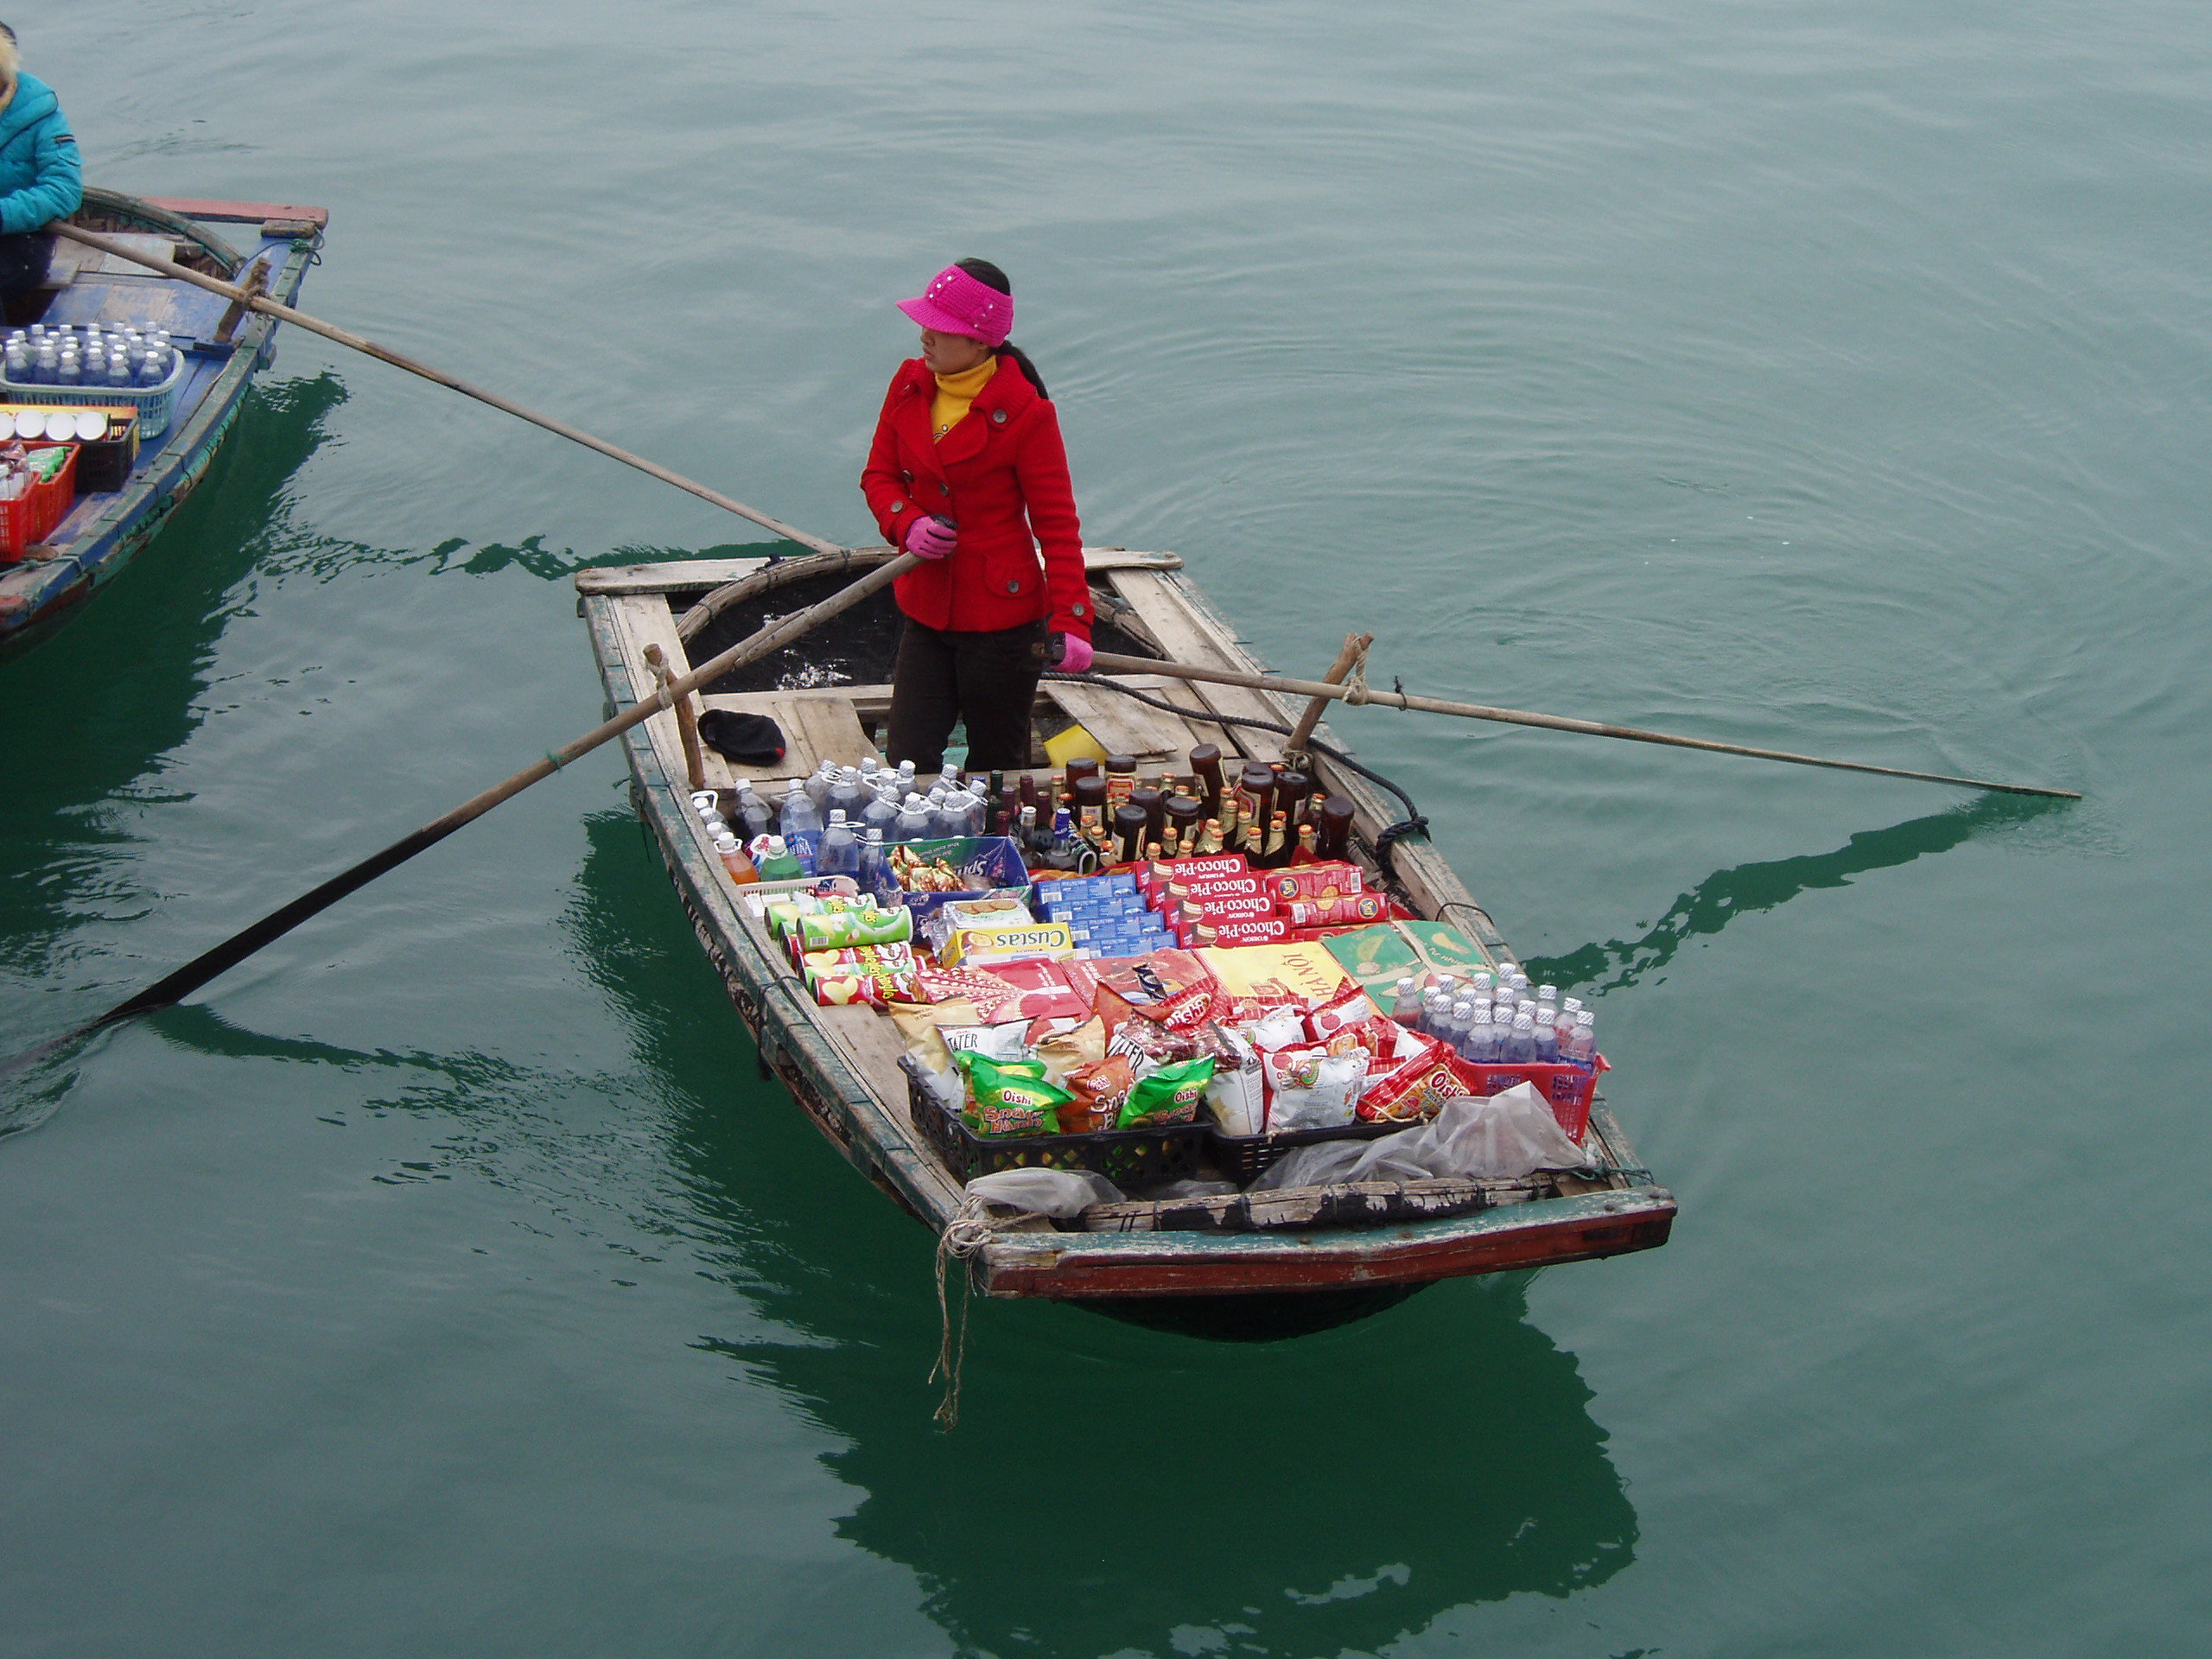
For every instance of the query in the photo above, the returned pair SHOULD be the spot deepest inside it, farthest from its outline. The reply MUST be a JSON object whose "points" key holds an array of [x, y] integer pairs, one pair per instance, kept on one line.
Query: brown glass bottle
{"points": [[1334, 840], [1277, 853], [1183, 817], [1209, 836], [1291, 789], [1121, 777], [1205, 761], [1129, 833], [1079, 767], [1154, 803], [1256, 790], [1090, 819]]}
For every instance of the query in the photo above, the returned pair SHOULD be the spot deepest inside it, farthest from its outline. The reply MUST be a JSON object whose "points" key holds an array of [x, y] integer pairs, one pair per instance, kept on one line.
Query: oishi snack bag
{"points": [[1168, 1097], [1011, 1098], [1415, 1089], [1171, 988], [1064, 1052], [1150, 1044], [1097, 1093], [1312, 1089]]}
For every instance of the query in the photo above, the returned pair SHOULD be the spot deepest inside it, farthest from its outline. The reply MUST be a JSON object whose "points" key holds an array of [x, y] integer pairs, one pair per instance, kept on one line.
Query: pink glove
{"points": [[1075, 655], [933, 538]]}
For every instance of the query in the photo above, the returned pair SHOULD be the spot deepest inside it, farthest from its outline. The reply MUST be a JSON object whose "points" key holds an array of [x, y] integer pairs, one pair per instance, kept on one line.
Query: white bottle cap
{"points": [[836, 815]]}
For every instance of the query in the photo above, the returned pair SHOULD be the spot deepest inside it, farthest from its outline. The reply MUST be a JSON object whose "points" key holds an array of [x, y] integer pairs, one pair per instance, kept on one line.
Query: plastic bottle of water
{"points": [[963, 814], [800, 825], [118, 370], [839, 853], [881, 812], [1520, 1048], [1458, 1023], [914, 819], [1545, 1035], [1435, 1009], [1450, 988], [46, 367], [753, 813], [846, 794], [1407, 1009], [1478, 1044], [155, 369], [948, 774], [875, 863], [1582, 1047], [19, 362], [905, 778], [817, 786], [1564, 1023], [69, 373]]}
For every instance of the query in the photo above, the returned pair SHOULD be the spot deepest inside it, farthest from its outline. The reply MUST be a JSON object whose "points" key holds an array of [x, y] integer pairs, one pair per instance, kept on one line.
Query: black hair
{"points": [[991, 277]]}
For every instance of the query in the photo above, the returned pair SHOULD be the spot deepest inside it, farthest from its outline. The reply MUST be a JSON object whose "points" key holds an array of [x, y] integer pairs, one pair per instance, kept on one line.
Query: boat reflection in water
{"points": [[1107, 1485]]}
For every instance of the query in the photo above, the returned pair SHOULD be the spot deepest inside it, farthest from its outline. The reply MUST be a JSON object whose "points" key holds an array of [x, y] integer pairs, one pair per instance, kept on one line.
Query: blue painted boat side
{"points": [[102, 533]]}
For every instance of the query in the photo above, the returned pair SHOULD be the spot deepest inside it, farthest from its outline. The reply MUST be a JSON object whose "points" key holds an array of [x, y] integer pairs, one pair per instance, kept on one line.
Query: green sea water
{"points": [[1832, 378]]}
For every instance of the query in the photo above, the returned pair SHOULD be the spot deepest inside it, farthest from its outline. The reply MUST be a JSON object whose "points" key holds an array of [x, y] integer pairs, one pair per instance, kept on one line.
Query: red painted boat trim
{"points": [[239, 213], [1071, 1270]]}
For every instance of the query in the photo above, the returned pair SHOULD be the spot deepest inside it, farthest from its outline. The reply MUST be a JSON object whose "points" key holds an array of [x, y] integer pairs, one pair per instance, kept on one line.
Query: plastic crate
{"points": [[1243, 1158], [1568, 1088], [31, 519], [153, 402], [1131, 1159], [990, 865]]}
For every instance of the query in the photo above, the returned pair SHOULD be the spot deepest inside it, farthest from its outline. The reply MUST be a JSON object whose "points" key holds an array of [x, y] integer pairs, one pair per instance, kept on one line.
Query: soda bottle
{"points": [[882, 812], [840, 852], [752, 812], [777, 864], [914, 819], [799, 822], [1407, 1009], [741, 867]]}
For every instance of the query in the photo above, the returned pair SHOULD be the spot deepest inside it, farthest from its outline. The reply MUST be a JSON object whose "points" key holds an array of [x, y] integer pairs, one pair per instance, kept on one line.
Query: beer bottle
{"points": [[1205, 761], [1278, 848], [1210, 837], [1256, 790], [1334, 841]]}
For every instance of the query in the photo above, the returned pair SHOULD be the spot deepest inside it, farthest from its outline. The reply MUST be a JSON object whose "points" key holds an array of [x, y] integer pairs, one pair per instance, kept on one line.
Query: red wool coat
{"points": [[1001, 474]]}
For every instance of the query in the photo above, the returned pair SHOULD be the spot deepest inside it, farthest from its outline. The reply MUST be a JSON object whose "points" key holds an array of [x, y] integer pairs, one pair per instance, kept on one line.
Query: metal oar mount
{"points": [[253, 301], [1358, 692], [240, 946]]}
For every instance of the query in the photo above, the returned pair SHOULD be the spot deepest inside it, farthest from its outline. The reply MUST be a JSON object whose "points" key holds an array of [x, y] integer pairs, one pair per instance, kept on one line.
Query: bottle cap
{"points": [[1547, 993], [776, 847], [724, 843], [836, 815]]}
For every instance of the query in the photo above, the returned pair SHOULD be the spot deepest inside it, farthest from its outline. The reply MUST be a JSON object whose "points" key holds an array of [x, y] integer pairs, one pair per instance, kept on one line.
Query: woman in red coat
{"points": [[967, 473]]}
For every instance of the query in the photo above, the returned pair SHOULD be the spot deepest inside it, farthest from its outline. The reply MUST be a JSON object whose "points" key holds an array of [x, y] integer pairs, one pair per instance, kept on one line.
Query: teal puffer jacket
{"points": [[39, 171]]}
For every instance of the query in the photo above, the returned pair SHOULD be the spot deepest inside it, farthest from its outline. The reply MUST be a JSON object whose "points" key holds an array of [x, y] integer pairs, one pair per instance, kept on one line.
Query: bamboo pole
{"points": [[284, 312], [1110, 663], [1355, 646]]}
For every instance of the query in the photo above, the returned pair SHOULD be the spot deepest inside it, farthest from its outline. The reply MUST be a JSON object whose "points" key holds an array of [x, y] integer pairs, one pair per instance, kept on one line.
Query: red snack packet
{"points": [[1226, 907], [1322, 880], [1159, 871], [1042, 990], [1172, 987], [1182, 889], [1349, 910], [1348, 1006], [1415, 1087], [1266, 930]]}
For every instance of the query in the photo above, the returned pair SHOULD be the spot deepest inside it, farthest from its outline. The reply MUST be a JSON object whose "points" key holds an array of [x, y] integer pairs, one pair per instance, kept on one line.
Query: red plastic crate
{"points": [[29, 519], [1568, 1088]]}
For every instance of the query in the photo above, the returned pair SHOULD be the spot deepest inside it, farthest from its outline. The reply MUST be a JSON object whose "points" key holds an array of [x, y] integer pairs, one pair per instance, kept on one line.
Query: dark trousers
{"points": [[990, 680], [23, 259]]}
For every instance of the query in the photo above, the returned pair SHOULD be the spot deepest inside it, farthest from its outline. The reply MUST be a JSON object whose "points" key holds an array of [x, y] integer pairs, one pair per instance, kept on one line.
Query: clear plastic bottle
{"points": [[817, 787], [118, 370], [905, 778], [46, 363], [1564, 1023], [1435, 1009], [847, 795], [1458, 1023], [1582, 1047], [881, 812], [1521, 1047], [69, 372], [875, 863], [155, 369], [914, 819], [1479, 1043], [753, 813], [1547, 1000], [1407, 1009], [964, 813], [948, 774], [800, 825], [840, 852], [19, 362], [1450, 987], [1545, 1036]]}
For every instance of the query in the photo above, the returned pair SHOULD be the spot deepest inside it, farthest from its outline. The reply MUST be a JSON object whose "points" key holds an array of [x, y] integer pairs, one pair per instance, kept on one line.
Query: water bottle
{"points": [[753, 813], [118, 370], [914, 819], [19, 363], [847, 795], [47, 366], [1582, 1047], [1449, 988], [875, 863], [905, 778], [1520, 1048], [963, 811], [840, 853], [1407, 1009], [1564, 1023], [1458, 1023], [1482, 983], [1478, 1044], [1435, 1009], [948, 774], [1547, 997], [881, 813], [155, 369], [799, 823], [1545, 1036], [69, 374]]}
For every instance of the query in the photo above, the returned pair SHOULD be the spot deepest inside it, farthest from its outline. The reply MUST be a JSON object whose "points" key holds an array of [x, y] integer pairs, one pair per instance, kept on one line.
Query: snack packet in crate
{"points": [[1011, 1098], [1172, 988], [1235, 1093], [1421, 1076], [1312, 1089], [1168, 1095]]}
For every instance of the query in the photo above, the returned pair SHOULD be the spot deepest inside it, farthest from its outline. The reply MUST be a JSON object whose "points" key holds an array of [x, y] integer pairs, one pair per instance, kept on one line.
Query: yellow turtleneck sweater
{"points": [[954, 392]]}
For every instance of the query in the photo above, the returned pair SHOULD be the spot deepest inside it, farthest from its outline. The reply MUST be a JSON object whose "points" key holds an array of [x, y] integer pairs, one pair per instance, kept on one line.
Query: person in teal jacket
{"points": [[39, 174]]}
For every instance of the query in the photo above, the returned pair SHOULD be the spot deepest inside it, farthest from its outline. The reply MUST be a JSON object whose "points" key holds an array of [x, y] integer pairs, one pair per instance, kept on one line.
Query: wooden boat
{"points": [[226, 347], [1356, 1252]]}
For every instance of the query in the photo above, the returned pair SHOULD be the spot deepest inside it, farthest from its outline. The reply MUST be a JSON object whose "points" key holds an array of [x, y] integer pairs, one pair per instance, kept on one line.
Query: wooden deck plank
{"points": [[1187, 637], [644, 620], [1122, 725]]}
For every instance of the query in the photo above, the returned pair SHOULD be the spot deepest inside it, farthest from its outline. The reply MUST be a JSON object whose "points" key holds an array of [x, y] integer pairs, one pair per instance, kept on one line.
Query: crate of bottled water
{"points": [[1502, 1031], [95, 364]]}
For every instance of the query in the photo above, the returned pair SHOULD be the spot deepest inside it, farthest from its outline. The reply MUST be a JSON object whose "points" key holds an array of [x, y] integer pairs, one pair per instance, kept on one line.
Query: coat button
{"points": [[998, 417], [1013, 586], [1075, 610]]}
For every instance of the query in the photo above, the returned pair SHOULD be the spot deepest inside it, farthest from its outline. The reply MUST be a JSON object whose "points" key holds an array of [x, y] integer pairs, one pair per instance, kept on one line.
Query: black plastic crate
{"points": [[1131, 1159], [1242, 1158]]}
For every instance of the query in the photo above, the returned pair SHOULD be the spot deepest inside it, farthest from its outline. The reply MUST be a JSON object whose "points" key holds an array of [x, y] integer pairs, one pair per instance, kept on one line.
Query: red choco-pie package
{"points": [[1153, 876]]}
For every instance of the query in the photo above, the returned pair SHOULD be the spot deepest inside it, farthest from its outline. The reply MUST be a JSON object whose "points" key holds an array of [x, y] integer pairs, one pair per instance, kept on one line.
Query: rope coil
{"points": [[964, 1237]]}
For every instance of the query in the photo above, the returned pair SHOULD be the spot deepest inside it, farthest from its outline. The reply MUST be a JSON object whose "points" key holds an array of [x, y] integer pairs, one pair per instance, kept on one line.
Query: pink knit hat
{"points": [[955, 304]]}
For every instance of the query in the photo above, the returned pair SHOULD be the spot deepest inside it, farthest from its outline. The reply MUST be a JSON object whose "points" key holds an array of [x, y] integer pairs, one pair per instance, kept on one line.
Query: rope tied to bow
{"points": [[964, 1237]]}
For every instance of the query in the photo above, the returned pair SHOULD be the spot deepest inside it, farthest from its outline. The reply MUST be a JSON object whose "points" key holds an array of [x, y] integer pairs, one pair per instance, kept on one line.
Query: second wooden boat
{"points": [[1325, 1255]]}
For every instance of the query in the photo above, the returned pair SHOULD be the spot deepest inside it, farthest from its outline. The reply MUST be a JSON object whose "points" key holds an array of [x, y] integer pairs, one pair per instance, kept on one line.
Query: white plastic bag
{"points": [[1056, 1192], [1502, 1137]]}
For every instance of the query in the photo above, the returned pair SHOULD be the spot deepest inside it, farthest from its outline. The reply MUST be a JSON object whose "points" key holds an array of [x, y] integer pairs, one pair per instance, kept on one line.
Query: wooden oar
{"points": [[315, 325], [240, 946], [1110, 663]]}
